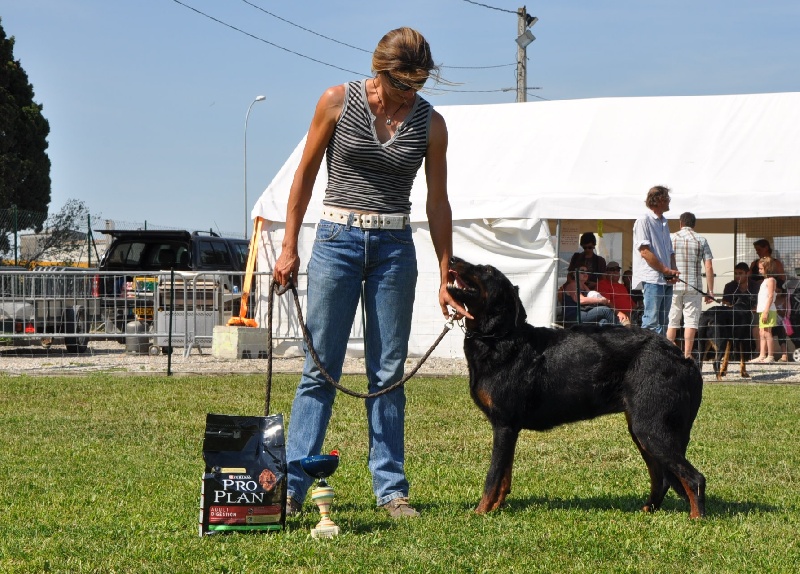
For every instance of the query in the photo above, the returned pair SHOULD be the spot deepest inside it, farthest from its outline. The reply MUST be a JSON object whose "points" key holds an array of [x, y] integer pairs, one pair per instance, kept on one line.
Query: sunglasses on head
{"points": [[397, 84]]}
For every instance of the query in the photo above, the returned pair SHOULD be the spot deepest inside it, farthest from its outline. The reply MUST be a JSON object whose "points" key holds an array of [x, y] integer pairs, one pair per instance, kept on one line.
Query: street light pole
{"points": [[247, 117]]}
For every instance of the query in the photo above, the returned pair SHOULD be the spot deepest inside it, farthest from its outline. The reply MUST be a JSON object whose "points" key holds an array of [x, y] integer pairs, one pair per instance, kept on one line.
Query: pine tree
{"points": [[24, 164]]}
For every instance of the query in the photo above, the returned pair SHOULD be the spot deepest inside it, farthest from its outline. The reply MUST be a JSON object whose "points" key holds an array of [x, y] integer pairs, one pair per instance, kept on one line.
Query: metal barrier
{"points": [[42, 303], [152, 313], [147, 312]]}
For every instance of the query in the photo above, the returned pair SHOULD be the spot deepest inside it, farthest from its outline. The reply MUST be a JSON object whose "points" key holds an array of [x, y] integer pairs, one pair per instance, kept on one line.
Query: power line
{"points": [[478, 67], [282, 19], [491, 7], [267, 41], [306, 29], [232, 27], [537, 97]]}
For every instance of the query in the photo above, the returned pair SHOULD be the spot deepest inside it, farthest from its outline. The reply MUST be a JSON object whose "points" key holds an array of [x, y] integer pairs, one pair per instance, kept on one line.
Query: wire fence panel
{"points": [[70, 317]]}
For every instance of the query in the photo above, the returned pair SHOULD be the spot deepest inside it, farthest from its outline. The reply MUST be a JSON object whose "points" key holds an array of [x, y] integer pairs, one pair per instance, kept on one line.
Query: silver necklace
{"points": [[380, 101]]}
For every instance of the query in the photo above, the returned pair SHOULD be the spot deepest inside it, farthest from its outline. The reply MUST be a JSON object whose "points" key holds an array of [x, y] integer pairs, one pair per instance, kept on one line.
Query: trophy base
{"points": [[325, 531]]}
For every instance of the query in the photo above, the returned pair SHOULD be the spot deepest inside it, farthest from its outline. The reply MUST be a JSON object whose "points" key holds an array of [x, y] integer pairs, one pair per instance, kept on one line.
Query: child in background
{"points": [[767, 312]]}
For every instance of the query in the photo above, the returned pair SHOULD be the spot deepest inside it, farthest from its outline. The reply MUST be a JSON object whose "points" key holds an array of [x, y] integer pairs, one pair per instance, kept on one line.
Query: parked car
{"points": [[135, 253]]}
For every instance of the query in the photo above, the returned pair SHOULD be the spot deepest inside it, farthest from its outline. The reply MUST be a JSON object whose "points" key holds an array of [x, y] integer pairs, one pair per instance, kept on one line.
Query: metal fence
{"points": [[75, 315], [57, 319], [783, 234], [147, 312]]}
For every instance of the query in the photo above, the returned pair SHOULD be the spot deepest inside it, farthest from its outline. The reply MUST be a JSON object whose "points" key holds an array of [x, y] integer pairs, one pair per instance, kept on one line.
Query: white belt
{"points": [[367, 220]]}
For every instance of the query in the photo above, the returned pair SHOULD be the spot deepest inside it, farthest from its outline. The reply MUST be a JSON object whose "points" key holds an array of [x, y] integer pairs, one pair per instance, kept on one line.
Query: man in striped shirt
{"points": [[692, 253]]}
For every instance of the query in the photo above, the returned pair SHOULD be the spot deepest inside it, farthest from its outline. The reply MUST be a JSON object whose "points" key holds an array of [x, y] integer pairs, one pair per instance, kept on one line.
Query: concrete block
{"points": [[239, 342]]}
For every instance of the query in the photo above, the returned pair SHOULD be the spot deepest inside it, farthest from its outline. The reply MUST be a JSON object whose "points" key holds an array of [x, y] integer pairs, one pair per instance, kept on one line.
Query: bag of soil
{"points": [[244, 484]]}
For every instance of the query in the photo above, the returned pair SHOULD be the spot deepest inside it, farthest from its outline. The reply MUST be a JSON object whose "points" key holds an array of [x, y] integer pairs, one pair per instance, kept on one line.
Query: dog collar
{"points": [[478, 335]]}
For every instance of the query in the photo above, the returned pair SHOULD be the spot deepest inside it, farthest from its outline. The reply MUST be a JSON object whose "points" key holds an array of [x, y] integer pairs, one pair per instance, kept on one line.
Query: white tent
{"points": [[511, 167]]}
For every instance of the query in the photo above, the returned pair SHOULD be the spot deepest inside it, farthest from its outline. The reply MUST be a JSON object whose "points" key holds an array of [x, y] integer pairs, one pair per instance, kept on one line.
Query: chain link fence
{"points": [[783, 234]]}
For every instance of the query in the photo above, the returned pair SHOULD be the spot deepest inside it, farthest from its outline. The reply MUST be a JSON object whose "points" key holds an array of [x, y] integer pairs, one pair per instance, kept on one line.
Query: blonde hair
{"points": [[767, 264], [406, 55]]}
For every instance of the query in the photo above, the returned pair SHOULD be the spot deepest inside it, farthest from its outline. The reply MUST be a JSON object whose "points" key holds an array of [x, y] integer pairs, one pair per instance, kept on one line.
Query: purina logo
{"points": [[240, 477]]}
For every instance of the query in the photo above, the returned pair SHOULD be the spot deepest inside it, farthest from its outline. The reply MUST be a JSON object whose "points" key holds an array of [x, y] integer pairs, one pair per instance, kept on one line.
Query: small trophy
{"points": [[321, 466]]}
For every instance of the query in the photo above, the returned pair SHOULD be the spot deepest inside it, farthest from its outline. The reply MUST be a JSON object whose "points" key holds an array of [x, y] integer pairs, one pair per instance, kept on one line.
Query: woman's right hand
{"points": [[287, 267], [326, 114]]}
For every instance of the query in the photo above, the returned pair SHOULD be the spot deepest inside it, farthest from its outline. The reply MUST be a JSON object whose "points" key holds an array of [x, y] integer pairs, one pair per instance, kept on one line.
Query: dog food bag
{"points": [[244, 484]]}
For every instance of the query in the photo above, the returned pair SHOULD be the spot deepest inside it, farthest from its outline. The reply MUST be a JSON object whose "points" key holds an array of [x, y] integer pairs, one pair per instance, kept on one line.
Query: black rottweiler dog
{"points": [[525, 377], [725, 329]]}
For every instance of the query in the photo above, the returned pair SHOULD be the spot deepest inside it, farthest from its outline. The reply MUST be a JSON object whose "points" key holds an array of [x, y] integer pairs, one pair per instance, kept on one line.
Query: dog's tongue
{"points": [[455, 280]]}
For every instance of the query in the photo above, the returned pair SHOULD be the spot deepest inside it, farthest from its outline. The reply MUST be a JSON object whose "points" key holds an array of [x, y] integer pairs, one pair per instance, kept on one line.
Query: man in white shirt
{"points": [[654, 268]]}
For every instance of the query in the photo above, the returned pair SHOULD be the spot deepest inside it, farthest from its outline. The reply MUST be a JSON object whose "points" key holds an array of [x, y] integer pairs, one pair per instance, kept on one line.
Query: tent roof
{"points": [[723, 156]]}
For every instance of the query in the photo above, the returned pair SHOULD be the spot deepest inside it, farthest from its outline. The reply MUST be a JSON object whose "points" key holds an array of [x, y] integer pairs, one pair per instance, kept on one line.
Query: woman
{"points": [[594, 307], [783, 307], [619, 299], [376, 132], [595, 264], [764, 249]]}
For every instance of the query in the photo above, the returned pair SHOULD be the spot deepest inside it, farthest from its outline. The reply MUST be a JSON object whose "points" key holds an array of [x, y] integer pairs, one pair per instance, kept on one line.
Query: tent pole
{"points": [[557, 267]]}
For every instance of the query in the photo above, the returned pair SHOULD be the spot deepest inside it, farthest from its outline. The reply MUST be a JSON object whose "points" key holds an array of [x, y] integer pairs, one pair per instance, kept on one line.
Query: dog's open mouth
{"points": [[456, 283]]}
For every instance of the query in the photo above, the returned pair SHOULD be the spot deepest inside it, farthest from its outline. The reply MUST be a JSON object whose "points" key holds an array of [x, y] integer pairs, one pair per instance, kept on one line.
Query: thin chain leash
{"points": [[280, 290]]}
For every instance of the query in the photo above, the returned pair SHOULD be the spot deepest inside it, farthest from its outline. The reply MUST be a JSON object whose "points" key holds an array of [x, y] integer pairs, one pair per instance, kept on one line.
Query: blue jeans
{"points": [[343, 258], [657, 302], [601, 315]]}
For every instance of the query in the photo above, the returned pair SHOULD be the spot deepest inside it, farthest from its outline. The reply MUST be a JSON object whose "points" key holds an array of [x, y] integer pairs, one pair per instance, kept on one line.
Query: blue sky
{"points": [[146, 99]]}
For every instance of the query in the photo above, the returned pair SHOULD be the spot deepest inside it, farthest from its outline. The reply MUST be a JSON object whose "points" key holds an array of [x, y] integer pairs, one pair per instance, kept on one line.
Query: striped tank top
{"points": [[365, 174]]}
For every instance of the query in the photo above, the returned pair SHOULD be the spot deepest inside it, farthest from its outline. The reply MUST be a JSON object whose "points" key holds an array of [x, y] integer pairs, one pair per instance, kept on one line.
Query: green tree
{"points": [[24, 164], [60, 239]]}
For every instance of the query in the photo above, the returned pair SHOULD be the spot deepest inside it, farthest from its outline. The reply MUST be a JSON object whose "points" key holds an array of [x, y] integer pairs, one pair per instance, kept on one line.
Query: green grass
{"points": [[102, 474]]}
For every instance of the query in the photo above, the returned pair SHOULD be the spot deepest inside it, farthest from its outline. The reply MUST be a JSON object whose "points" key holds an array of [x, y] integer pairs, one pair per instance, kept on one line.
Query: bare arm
{"points": [[437, 207], [710, 280], [654, 262], [326, 115], [779, 271]]}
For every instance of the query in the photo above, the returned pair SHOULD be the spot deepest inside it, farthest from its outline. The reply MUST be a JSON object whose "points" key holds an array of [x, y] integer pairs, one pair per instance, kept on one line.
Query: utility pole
{"points": [[524, 38], [522, 72]]}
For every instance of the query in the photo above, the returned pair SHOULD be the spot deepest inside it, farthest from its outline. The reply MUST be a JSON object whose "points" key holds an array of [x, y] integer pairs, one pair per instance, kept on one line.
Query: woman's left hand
{"points": [[446, 302]]}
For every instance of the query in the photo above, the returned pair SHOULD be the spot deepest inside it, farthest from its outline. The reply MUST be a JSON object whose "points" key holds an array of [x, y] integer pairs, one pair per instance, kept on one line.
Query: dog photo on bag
{"points": [[536, 378]]}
